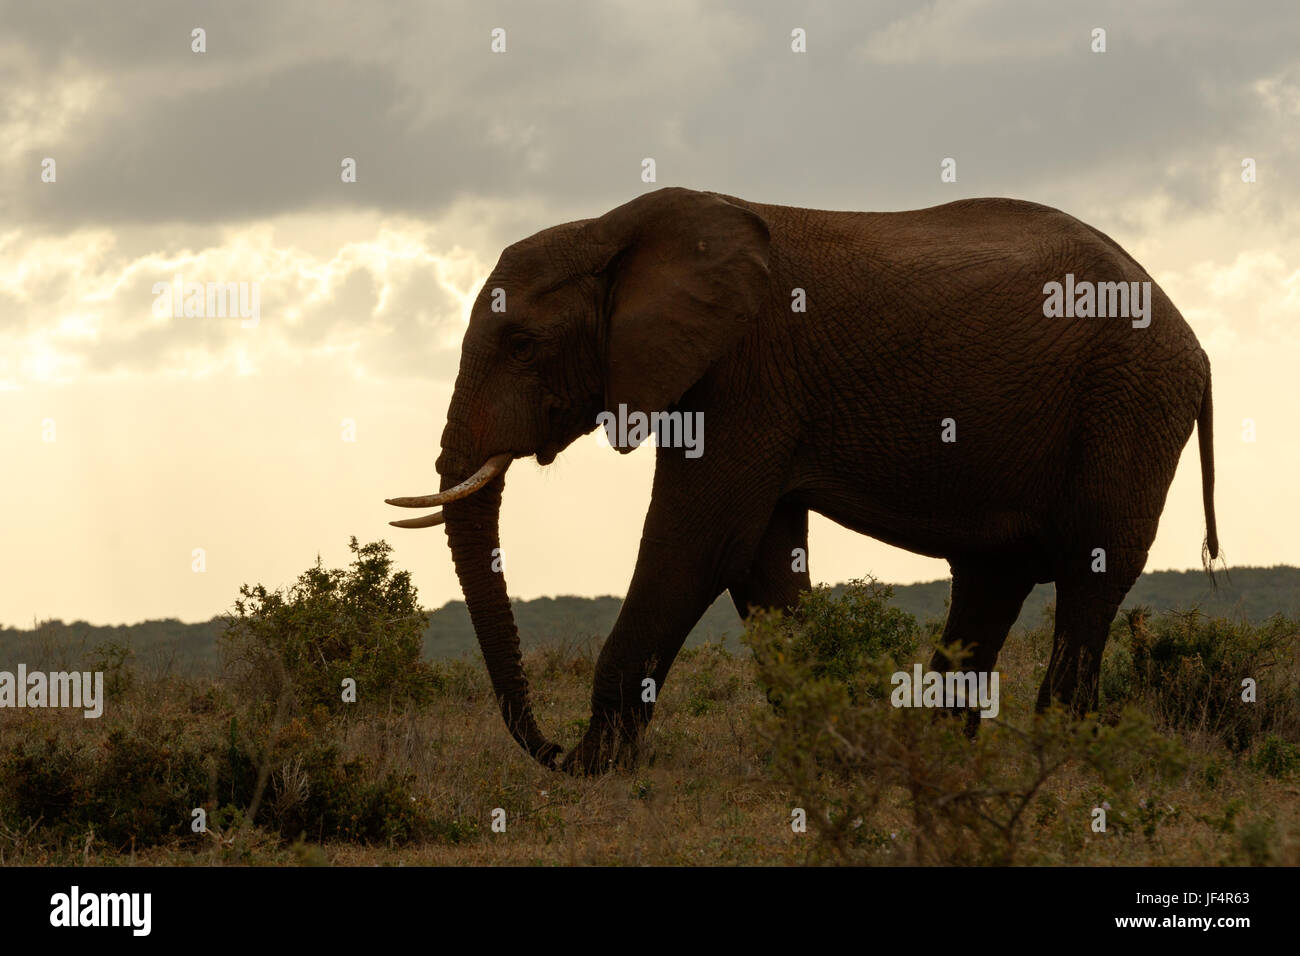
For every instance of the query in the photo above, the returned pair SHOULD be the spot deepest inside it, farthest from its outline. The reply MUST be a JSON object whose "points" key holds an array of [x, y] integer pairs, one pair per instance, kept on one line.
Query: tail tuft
{"points": [[1205, 439]]}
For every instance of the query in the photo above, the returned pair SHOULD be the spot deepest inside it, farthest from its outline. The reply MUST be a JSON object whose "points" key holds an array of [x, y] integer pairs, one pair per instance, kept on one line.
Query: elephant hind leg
{"points": [[780, 567], [1086, 603], [986, 599]]}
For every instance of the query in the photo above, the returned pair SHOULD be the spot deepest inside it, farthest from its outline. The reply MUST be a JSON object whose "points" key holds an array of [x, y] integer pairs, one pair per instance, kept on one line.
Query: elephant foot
{"points": [[969, 717], [545, 752], [1079, 698], [609, 742]]}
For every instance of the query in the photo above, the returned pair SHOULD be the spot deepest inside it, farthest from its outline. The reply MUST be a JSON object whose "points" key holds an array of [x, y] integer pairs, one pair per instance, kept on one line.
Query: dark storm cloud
{"points": [[258, 125]]}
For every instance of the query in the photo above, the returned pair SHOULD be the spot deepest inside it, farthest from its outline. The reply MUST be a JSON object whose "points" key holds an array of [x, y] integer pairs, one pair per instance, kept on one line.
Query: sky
{"points": [[152, 462]]}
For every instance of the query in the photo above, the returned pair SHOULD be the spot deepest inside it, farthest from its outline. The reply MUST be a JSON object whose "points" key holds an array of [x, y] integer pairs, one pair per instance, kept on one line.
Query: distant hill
{"points": [[166, 645], [1253, 593]]}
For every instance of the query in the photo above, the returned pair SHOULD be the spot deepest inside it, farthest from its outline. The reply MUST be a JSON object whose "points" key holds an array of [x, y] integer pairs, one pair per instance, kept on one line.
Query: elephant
{"points": [[900, 373]]}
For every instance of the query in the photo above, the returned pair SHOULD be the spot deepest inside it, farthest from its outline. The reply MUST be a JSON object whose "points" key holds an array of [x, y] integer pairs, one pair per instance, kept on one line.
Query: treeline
{"points": [[1250, 594]]}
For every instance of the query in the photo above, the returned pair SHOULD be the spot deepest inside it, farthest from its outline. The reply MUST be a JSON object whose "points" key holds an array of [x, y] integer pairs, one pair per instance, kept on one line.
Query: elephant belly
{"points": [[935, 531]]}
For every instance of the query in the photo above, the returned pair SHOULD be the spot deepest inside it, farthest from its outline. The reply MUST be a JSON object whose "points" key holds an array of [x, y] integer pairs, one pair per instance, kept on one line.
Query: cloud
{"points": [[145, 131], [225, 166], [389, 298], [955, 32]]}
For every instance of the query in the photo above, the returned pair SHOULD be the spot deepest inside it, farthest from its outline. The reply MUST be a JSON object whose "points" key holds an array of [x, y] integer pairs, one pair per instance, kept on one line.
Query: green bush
{"points": [[113, 660], [321, 796], [130, 790], [858, 765], [841, 639], [1276, 757], [363, 623], [133, 790], [1189, 670], [265, 749]]}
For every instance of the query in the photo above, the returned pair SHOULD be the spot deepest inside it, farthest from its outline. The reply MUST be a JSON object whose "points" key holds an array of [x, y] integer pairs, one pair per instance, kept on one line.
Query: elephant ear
{"points": [[688, 273]]}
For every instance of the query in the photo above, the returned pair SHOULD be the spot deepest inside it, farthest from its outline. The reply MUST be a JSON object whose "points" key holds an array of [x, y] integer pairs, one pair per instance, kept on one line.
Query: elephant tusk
{"points": [[424, 521], [491, 468]]}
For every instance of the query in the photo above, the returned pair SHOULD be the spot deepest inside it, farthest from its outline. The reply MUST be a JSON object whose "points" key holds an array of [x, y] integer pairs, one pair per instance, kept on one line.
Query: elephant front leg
{"points": [[668, 595], [613, 736], [687, 556]]}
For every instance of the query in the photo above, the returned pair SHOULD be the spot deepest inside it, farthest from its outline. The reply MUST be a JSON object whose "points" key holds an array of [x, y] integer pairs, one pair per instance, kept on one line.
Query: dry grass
{"points": [[704, 793]]}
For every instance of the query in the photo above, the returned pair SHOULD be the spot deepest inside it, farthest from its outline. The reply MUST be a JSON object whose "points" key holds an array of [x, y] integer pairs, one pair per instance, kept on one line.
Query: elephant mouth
{"points": [[489, 470]]}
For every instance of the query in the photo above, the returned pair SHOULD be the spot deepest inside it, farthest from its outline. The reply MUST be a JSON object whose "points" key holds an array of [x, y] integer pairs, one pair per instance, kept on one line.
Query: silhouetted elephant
{"points": [[918, 328]]}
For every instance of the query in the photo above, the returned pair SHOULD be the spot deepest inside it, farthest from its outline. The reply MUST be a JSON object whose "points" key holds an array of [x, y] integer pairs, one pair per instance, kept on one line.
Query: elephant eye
{"points": [[520, 347]]}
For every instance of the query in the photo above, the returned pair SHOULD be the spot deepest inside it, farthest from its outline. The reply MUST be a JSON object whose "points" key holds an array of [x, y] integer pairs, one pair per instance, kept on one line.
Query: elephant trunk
{"points": [[473, 530]]}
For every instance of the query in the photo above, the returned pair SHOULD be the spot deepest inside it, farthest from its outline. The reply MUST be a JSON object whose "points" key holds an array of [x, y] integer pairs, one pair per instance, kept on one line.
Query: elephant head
{"points": [[627, 309]]}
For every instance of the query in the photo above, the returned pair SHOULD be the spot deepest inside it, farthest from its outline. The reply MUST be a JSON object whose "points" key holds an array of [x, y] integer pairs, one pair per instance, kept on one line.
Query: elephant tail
{"points": [[1205, 438]]}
